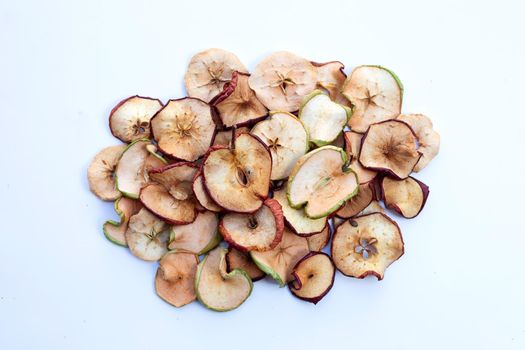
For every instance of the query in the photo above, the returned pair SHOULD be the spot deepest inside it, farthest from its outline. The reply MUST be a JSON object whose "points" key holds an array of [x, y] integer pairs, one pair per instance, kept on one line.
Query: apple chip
{"points": [[224, 137], [318, 241], [313, 276], [353, 148], [175, 277], [373, 207], [125, 208], [406, 197], [235, 259], [357, 203], [202, 195], [101, 173], [147, 236], [331, 77], [129, 119], [428, 138], [199, 237]]}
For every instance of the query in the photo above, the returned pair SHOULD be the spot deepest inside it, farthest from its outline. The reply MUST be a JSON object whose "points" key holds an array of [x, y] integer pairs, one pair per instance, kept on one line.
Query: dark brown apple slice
{"points": [[101, 173], [318, 241], [236, 259], [429, 139], [174, 281], [147, 236], [357, 203], [115, 231], [199, 237], [129, 120], [202, 195], [313, 276], [353, 148], [331, 77], [406, 197]]}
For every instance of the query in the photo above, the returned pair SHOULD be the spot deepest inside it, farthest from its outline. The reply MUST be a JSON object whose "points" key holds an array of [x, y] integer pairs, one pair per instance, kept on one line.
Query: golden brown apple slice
{"points": [[147, 236], [174, 281], [125, 208], [199, 237], [406, 197], [101, 173], [353, 148], [313, 276], [318, 241], [357, 203], [129, 120], [428, 138], [236, 259]]}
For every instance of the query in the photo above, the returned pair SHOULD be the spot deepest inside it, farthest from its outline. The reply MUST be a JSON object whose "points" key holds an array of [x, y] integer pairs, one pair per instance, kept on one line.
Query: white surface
{"points": [[63, 65]]}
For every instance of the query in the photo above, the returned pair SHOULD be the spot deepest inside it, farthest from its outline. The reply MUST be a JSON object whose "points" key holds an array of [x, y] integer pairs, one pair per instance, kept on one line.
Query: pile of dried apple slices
{"points": [[253, 175]]}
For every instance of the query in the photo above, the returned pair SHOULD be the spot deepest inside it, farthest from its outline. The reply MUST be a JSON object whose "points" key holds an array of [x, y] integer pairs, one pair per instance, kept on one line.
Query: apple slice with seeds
{"points": [[357, 203], [406, 197], [184, 128], [218, 289], [235, 259], [202, 196], [391, 147], [331, 77], [318, 241], [238, 178], [367, 245], [296, 219], [129, 120], [280, 261], [313, 276], [224, 137], [115, 231], [199, 237], [174, 281], [147, 236], [259, 231], [321, 182], [101, 173], [353, 148], [287, 140], [376, 94], [428, 138]]}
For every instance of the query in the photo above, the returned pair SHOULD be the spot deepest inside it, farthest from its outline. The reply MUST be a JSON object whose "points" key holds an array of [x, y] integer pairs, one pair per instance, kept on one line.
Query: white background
{"points": [[64, 64]]}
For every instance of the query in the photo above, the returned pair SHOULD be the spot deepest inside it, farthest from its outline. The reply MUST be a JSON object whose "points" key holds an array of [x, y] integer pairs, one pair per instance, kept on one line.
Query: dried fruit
{"points": [[406, 197], [356, 204], [202, 195], [318, 241], [175, 277], [353, 149], [199, 237], [331, 77], [313, 276], [147, 236], [130, 118], [101, 173], [125, 208], [235, 259], [428, 138]]}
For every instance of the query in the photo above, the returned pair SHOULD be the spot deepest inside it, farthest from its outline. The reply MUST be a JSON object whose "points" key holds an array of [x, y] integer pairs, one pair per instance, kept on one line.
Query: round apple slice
{"points": [[390, 146], [202, 196], [321, 182], [115, 231], [280, 261], [147, 236], [353, 148], [428, 138], [199, 237], [282, 79], [323, 119], [129, 119], [101, 173], [376, 94], [235, 259], [237, 104], [318, 241], [259, 231], [174, 281], [406, 197], [208, 71], [296, 219], [184, 128], [367, 245], [218, 289], [313, 276], [238, 179], [287, 140], [331, 77], [357, 203]]}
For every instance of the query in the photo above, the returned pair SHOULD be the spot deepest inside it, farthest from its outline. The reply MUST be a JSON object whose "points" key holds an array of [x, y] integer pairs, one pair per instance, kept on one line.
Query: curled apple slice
{"points": [[428, 138], [318, 241], [259, 231], [175, 277], [101, 173], [129, 119], [353, 149], [366, 245], [235, 259], [376, 94], [390, 146], [184, 128], [357, 203], [115, 231], [147, 236], [287, 140], [199, 237], [202, 196], [313, 276], [218, 289], [321, 182], [331, 77], [282, 79], [406, 197]]}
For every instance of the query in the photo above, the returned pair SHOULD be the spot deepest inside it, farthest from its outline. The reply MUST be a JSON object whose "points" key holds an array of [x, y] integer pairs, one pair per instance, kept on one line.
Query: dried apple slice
{"points": [[238, 179], [331, 77], [147, 236], [353, 148], [235, 259], [321, 182], [406, 197], [296, 219], [184, 128], [224, 137], [174, 281], [376, 94], [202, 195], [367, 245], [259, 231], [429, 139], [323, 119], [218, 289], [282, 79], [280, 261], [357, 203], [314, 276], [373, 207], [101, 173], [237, 104], [209, 70], [129, 120], [287, 140], [318, 241], [390, 146], [199, 237], [115, 231]]}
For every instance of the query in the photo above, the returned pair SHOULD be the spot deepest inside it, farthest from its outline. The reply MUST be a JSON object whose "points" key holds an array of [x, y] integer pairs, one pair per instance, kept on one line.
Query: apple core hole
{"points": [[241, 177], [252, 222]]}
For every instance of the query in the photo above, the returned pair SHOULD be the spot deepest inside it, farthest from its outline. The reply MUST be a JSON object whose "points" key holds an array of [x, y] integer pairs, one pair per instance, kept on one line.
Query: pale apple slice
{"points": [[428, 138], [259, 231], [218, 289], [331, 77], [313, 276], [366, 245], [199, 237], [101, 173], [208, 72], [406, 197], [184, 128], [280, 261], [238, 179], [357, 203], [202, 195], [114, 230], [323, 119], [318, 241], [282, 80], [376, 94], [224, 137], [147, 236], [321, 182], [287, 140], [129, 120], [236, 259], [391, 147], [353, 148], [373, 207], [174, 281]]}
